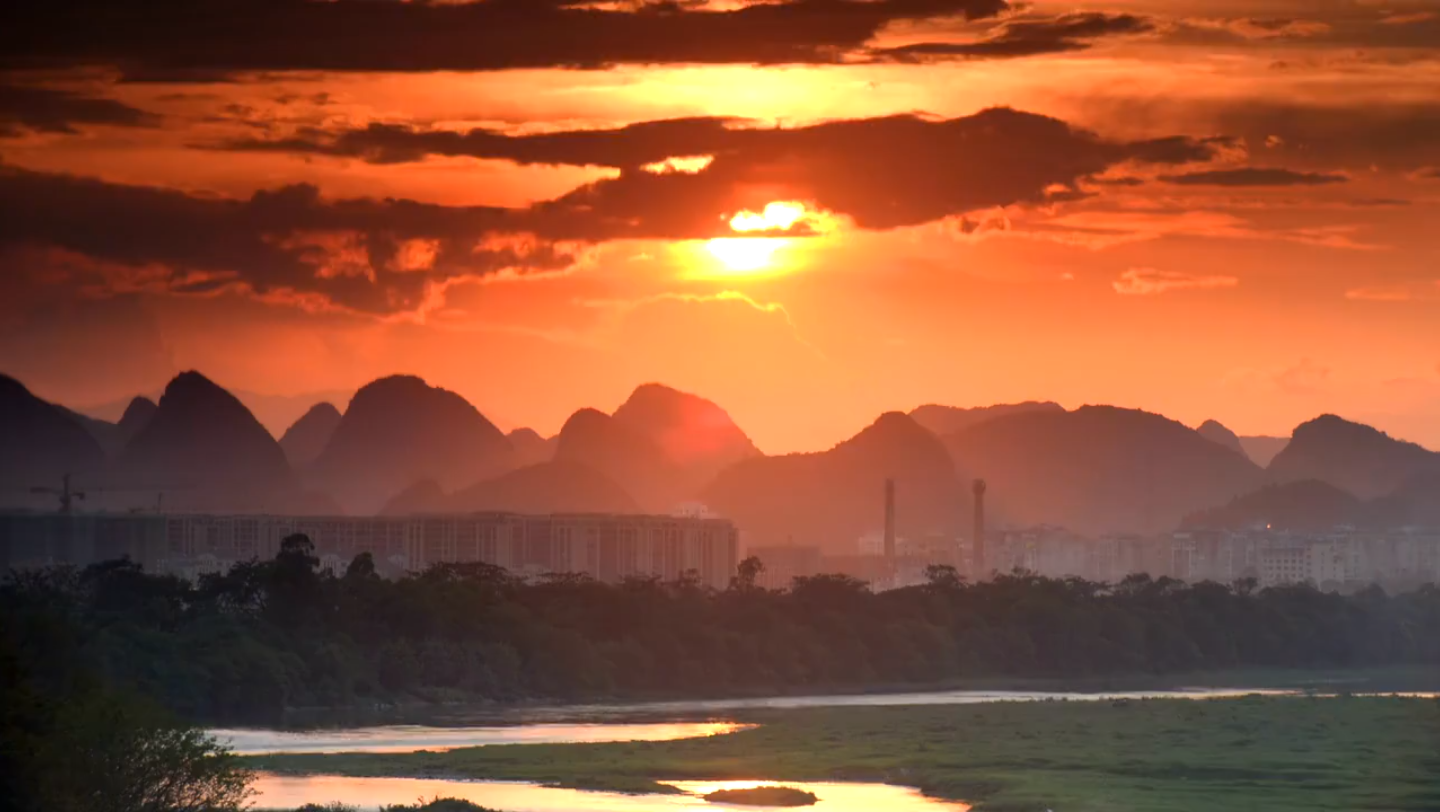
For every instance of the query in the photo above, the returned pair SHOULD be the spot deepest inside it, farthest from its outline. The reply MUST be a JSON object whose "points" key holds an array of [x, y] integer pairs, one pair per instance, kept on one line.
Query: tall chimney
{"points": [[977, 543], [890, 520]]}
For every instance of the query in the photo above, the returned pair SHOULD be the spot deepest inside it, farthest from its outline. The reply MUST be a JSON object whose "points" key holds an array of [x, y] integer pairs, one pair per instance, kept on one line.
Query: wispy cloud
{"points": [[1151, 282], [1399, 292]]}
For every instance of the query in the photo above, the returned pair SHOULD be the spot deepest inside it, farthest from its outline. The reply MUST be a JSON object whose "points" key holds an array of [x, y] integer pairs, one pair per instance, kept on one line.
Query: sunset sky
{"points": [[1206, 209]]}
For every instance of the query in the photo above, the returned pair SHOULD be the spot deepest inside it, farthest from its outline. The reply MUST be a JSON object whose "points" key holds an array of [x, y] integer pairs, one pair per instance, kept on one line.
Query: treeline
{"points": [[246, 645]]}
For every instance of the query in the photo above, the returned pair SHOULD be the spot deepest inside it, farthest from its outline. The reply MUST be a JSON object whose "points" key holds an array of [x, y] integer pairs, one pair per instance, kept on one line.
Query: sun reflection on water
{"points": [[288, 792]]}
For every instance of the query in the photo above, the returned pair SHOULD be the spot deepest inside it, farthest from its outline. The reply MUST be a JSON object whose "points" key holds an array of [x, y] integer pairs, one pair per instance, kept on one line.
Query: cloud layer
{"points": [[48, 110], [390, 255], [176, 38]]}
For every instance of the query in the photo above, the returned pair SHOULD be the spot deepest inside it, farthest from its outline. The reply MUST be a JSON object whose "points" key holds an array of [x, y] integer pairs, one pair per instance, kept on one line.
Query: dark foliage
{"points": [[266, 636], [72, 740]]}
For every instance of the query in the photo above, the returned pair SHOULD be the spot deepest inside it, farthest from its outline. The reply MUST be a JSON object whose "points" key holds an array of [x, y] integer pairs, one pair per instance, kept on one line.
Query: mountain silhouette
{"points": [[530, 448], [694, 433], [1305, 505], [944, 420], [136, 417], [105, 433], [831, 498], [400, 430], [205, 450], [1100, 469], [113, 437], [309, 435], [1351, 456], [627, 456], [39, 443], [549, 487], [1216, 432], [1262, 450]]}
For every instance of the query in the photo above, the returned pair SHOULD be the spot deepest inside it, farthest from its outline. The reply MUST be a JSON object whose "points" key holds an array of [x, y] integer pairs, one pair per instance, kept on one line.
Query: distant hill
{"points": [[400, 430], [945, 420], [549, 487], [832, 498], [1313, 505], [1415, 503], [693, 432], [275, 412], [629, 457], [1216, 432], [136, 417], [205, 450], [39, 442], [1351, 456], [1262, 450], [113, 437], [1100, 469], [105, 433], [1306, 505], [530, 448], [309, 435]]}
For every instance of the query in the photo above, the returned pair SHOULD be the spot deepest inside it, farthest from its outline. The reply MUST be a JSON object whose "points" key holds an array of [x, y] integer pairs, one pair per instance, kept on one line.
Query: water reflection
{"points": [[289, 792], [410, 738]]}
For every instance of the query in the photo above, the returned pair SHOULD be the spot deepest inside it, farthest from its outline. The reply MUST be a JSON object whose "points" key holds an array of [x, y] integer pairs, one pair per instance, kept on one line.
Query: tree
{"points": [[71, 743], [942, 576], [107, 753], [746, 574]]}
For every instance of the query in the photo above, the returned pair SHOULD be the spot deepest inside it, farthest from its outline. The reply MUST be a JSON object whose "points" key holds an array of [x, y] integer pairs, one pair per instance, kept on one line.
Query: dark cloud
{"points": [[387, 255], [631, 146], [364, 255], [1025, 37], [883, 172], [1254, 176], [47, 110], [1356, 135], [176, 39]]}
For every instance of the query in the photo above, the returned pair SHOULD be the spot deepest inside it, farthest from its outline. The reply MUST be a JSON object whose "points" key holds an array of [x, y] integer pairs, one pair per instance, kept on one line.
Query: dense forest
{"points": [[246, 645]]}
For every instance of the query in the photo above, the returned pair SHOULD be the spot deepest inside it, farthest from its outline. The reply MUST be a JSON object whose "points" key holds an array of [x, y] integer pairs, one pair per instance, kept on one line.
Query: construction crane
{"points": [[65, 493]]}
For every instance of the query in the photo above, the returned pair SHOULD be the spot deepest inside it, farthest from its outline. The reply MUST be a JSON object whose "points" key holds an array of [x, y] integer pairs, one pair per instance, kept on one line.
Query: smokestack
{"points": [[978, 541], [890, 520]]}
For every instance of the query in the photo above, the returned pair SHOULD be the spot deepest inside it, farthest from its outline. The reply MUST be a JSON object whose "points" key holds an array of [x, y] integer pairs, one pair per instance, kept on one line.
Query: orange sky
{"points": [[1285, 265]]}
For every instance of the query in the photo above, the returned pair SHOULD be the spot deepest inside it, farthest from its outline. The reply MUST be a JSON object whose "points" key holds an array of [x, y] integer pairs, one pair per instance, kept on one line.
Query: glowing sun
{"points": [[745, 255]]}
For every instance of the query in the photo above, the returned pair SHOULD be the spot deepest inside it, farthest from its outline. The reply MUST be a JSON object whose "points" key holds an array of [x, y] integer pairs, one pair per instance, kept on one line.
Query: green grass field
{"points": [[1263, 753]]}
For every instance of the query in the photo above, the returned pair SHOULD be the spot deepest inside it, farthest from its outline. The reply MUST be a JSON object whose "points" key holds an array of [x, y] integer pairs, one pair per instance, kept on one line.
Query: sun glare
{"points": [[777, 216], [744, 254], [757, 254]]}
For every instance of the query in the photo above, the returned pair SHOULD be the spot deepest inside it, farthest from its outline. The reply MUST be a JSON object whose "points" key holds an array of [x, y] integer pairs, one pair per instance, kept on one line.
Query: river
{"points": [[655, 721]]}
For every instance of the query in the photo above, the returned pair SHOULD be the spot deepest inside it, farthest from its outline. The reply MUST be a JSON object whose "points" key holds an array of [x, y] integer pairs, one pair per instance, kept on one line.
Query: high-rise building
{"points": [[606, 547]]}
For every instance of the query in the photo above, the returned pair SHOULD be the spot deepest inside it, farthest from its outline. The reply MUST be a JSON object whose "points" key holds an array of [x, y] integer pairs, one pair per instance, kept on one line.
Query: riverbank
{"points": [[1281, 754], [455, 708]]}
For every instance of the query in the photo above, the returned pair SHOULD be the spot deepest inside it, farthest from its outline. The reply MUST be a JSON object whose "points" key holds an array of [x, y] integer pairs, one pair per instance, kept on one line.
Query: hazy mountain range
{"points": [[402, 446]]}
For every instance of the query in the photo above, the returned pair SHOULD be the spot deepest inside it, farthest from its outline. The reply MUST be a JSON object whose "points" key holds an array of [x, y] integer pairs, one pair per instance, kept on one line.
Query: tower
{"points": [[978, 540], [890, 520]]}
